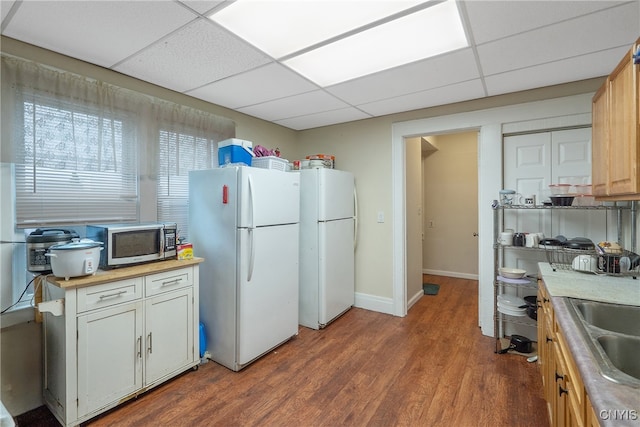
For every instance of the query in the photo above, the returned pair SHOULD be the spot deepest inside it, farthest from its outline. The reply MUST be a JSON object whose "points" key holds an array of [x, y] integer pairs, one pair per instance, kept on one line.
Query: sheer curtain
{"points": [[80, 147], [83, 151]]}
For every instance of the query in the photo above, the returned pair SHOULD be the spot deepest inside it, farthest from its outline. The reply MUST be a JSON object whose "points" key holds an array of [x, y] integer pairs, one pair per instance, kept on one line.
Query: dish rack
{"points": [[623, 263]]}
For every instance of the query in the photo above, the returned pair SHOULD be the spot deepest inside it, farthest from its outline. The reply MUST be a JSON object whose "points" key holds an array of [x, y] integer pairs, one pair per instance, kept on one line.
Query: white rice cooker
{"points": [[38, 244], [75, 259]]}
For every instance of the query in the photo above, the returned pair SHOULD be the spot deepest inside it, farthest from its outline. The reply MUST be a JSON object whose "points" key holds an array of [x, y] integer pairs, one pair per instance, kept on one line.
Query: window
{"points": [[179, 153], [76, 150], [76, 165]]}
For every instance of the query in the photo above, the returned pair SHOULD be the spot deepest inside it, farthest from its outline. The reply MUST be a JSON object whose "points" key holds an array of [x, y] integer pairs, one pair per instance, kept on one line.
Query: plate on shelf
{"points": [[512, 273], [512, 312], [511, 301], [523, 281]]}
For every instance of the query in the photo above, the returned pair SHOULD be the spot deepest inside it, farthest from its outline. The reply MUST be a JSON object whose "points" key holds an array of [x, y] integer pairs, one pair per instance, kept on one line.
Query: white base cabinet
{"points": [[118, 339]]}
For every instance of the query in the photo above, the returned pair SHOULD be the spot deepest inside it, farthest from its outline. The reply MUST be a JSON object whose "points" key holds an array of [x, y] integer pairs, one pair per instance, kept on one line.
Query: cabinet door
{"points": [[109, 356], [168, 341], [600, 141], [623, 128]]}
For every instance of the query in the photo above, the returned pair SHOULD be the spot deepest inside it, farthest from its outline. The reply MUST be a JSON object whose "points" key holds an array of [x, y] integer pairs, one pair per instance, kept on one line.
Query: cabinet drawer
{"points": [[108, 294], [168, 281]]}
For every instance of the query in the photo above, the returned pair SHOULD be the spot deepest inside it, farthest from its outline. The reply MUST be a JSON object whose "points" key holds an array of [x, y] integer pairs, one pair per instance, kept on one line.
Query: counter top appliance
{"points": [[127, 244], [38, 244]]}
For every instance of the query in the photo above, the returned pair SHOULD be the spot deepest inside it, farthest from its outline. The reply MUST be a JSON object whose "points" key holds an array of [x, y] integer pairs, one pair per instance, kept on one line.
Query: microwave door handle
{"points": [[162, 243]]}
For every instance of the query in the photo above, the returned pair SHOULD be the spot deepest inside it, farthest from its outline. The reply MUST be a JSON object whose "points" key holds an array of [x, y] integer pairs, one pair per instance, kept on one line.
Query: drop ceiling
{"points": [[513, 46]]}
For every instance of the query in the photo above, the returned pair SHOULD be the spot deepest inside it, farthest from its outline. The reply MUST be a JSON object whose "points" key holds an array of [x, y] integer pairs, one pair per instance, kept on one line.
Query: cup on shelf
{"points": [[519, 239], [506, 238], [531, 240]]}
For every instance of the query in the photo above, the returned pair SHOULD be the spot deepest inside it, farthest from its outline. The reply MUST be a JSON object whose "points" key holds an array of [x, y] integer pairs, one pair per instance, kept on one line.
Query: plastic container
{"points": [[559, 189], [233, 151], [203, 340], [322, 160], [583, 189], [270, 162]]}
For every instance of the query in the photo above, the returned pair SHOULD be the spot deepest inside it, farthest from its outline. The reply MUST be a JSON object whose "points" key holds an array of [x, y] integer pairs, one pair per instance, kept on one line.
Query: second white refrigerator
{"points": [[327, 242], [244, 222]]}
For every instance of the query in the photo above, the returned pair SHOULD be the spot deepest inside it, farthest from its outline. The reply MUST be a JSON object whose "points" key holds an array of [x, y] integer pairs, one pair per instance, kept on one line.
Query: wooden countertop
{"points": [[103, 276]]}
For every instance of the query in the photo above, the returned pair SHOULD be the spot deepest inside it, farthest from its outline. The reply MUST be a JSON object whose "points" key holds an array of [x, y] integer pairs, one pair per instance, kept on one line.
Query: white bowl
{"points": [[512, 273]]}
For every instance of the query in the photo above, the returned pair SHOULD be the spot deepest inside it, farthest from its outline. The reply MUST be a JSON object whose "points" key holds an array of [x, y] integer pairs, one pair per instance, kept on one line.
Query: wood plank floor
{"points": [[431, 368]]}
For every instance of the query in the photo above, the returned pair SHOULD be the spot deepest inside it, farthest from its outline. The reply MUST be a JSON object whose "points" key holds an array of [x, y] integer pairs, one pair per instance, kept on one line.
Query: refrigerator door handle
{"points": [[252, 251], [355, 218]]}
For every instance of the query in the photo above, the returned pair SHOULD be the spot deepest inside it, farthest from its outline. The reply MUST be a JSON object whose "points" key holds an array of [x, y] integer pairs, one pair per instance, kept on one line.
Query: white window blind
{"points": [[78, 164], [180, 152]]}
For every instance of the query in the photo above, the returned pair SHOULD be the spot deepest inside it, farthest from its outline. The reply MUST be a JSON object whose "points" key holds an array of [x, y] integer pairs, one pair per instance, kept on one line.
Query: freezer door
{"points": [[268, 289], [335, 194], [337, 275], [268, 197]]}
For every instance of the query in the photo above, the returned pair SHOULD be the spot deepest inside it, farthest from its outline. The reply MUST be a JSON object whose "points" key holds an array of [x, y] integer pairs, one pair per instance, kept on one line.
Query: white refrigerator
{"points": [[244, 222], [328, 224]]}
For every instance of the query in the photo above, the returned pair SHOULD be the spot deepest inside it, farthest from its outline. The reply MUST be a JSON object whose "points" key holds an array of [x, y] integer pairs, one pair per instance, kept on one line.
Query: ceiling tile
{"points": [[299, 105], [610, 28], [197, 54], [201, 6], [573, 69], [443, 95], [492, 20], [5, 7], [249, 88], [442, 70], [323, 119], [100, 32]]}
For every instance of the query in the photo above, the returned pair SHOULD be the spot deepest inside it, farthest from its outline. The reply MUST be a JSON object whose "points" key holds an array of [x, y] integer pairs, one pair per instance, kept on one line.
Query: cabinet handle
{"points": [[549, 339], [170, 282], [559, 377], [150, 349], [140, 346], [545, 300], [116, 294], [562, 391]]}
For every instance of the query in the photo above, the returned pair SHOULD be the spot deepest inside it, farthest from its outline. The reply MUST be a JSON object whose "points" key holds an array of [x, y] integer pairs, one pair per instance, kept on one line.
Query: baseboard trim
{"points": [[374, 303], [450, 274], [414, 299]]}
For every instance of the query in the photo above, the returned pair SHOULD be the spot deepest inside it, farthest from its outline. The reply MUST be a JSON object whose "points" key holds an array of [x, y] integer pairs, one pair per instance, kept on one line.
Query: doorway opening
{"points": [[441, 176]]}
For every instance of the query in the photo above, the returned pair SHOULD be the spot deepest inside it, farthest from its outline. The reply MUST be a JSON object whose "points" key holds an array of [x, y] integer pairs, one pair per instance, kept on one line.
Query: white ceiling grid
{"points": [[514, 45]]}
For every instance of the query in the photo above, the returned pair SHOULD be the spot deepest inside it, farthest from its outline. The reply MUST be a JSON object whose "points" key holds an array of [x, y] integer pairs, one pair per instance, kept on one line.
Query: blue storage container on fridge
{"points": [[235, 150], [203, 341]]}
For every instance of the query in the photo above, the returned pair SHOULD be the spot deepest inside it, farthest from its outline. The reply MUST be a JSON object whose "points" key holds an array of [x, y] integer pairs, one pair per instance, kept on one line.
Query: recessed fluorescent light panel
{"points": [[282, 27], [313, 28]]}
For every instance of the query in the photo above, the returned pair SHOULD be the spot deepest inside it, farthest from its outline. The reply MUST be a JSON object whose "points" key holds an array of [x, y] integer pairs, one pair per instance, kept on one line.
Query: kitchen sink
{"points": [[613, 334], [624, 319], [622, 352]]}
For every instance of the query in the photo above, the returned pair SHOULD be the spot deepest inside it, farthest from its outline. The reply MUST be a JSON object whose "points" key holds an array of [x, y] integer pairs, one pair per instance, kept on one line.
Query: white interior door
{"points": [[268, 290], [337, 281], [531, 163]]}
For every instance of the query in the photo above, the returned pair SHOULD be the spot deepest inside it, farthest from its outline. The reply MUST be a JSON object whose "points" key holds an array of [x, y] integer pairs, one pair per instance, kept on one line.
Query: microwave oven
{"points": [[127, 244]]}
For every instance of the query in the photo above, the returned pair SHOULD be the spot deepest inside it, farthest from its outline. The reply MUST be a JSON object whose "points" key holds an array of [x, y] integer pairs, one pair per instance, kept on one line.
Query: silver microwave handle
{"points": [[162, 232]]}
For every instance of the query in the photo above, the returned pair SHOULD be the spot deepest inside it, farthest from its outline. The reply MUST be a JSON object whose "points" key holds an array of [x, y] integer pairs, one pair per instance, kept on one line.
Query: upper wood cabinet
{"points": [[616, 132]]}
